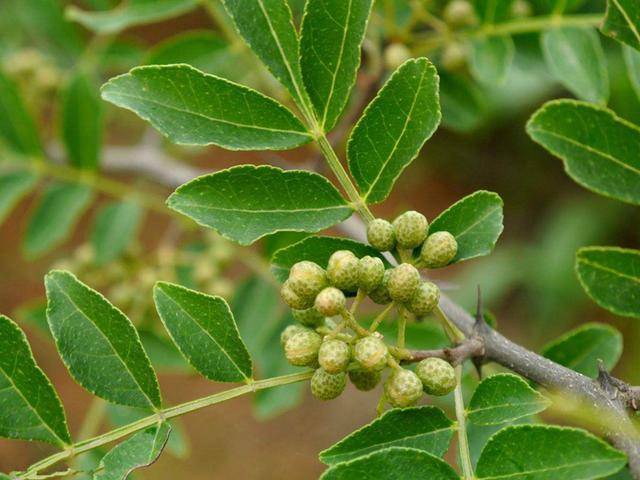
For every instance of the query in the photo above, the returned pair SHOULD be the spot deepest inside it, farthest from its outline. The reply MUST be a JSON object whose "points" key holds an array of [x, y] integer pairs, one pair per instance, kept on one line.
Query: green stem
{"points": [[461, 417], [381, 316], [453, 332], [402, 327]]}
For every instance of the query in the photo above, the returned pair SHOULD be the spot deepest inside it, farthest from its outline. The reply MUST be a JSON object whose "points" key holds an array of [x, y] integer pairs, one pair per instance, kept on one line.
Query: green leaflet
{"points": [[98, 343], [611, 277], [622, 22], [52, 221], [504, 398], [30, 408], [598, 148], [541, 452], [204, 330], [194, 108], [491, 59], [81, 123], [632, 62], [138, 451], [394, 463], [393, 128], [576, 59], [332, 34], [129, 13], [115, 227], [422, 428], [247, 202], [17, 128], [475, 221], [581, 348], [13, 187], [463, 106]]}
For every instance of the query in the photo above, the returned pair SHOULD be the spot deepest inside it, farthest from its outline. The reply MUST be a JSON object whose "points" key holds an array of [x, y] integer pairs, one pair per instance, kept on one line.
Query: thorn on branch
{"points": [[618, 390], [480, 326]]}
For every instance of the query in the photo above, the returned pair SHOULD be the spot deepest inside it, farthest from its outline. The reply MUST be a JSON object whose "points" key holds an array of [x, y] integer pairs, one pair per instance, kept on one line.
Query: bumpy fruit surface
{"points": [[364, 380], [380, 235], [309, 317], [403, 388], [302, 348], [289, 332], [307, 278], [334, 356], [330, 302], [370, 353], [294, 300], [437, 376], [403, 282], [459, 13], [342, 270], [438, 250], [380, 294], [425, 299], [327, 386], [410, 229], [370, 273], [395, 55]]}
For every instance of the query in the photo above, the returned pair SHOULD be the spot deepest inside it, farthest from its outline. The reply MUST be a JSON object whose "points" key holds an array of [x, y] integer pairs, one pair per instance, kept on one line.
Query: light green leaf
{"points": [[491, 59], [30, 408], [13, 187], [52, 221], [424, 428], [576, 59], [204, 330], [81, 122], [394, 463], [247, 202], [611, 277], [541, 452], [504, 398], [332, 34], [632, 62], [17, 128], [622, 22], [316, 249], [98, 343], [393, 128], [581, 348], [129, 13], [194, 108], [464, 107], [139, 451], [115, 227], [598, 148], [475, 221]]}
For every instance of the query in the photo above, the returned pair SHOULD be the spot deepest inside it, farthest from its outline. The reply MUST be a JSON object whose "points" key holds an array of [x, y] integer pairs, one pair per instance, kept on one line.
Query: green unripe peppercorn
{"points": [[294, 300], [342, 270], [302, 348], [410, 229], [306, 278], [454, 57], [403, 282], [327, 386], [370, 353], [438, 249], [370, 273], [380, 235], [309, 317], [289, 332], [363, 380], [334, 356], [403, 388], [395, 55], [459, 13], [437, 376], [330, 302], [425, 299], [521, 9], [380, 294]]}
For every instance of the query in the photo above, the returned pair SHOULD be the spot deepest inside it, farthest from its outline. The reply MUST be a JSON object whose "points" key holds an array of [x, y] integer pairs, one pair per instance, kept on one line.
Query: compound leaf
{"points": [[115, 228], [17, 128], [622, 22]]}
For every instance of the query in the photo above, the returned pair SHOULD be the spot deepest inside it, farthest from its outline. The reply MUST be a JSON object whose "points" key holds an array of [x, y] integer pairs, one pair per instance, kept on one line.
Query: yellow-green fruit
{"points": [[437, 376], [454, 57], [403, 282], [425, 299], [438, 250], [310, 317], [403, 388], [370, 353], [380, 294], [334, 356], [410, 229], [342, 270], [380, 235], [307, 278], [370, 273], [302, 348], [459, 13], [364, 380], [330, 302], [395, 55], [327, 386], [294, 300], [289, 332]]}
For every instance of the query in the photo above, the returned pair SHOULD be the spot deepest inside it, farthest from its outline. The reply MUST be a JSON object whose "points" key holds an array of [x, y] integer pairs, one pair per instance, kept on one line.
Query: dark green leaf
{"points": [[98, 343], [622, 22], [115, 227], [194, 108], [247, 202], [475, 221], [30, 408], [491, 59], [393, 128], [13, 187], [632, 62], [463, 105], [598, 148], [17, 128]]}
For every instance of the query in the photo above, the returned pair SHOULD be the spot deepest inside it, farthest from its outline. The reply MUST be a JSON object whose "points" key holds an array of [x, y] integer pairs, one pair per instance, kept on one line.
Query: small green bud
{"points": [[459, 13], [403, 388], [294, 300], [370, 273], [363, 380], [425, 299], [395, 55], [334, 356], [380, 294], [302, 348], [454, 57], [307, 278], [403, 282], [342, 270], [289, 332], [380, 235], [438, 250], [437, 376], [371, 353], [327, 386], [309, 317], [330, 302], [410, 229]]}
